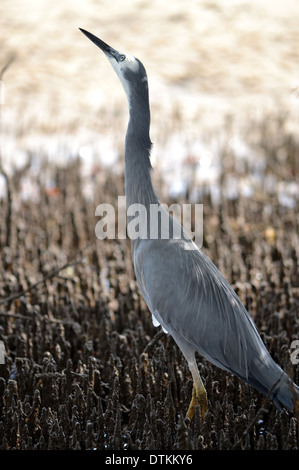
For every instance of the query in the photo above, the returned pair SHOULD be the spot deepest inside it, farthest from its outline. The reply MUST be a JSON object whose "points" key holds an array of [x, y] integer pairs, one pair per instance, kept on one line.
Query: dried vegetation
{"points": [[84, 369]]}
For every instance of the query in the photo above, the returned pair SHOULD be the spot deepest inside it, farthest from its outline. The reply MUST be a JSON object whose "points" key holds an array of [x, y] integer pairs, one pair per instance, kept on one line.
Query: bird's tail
{"points": [[273, 382], [285, 393]]}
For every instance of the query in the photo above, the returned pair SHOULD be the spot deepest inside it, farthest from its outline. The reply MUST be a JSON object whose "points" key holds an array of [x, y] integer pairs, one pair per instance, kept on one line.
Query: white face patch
{"points": [[131, 63]]}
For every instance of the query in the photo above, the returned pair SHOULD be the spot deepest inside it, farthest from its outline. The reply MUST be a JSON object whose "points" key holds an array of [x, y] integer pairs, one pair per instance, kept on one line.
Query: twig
{"points": [[45, 278], [26, 317], [6, 66], [154, 340]]}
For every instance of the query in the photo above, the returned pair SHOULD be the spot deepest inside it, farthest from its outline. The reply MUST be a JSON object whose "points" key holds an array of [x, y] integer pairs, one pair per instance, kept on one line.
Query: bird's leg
{"points": [[199, 394]]}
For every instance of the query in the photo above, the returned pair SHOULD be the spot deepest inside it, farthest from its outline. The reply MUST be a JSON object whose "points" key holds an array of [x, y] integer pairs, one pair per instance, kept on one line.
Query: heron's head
{"points": [[130, 70]]}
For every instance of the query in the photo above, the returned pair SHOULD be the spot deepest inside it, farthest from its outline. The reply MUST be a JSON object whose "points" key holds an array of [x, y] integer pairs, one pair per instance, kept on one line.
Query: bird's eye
{"points": [[122, 57]]}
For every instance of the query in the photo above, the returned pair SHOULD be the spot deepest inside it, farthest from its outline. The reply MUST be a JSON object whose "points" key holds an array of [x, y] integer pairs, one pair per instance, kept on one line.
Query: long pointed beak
{"points": [[109, 51]]}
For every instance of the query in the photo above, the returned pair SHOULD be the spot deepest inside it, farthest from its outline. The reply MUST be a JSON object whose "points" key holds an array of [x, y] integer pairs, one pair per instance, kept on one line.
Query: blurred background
{"points": [[80, 371], [217, 69]]}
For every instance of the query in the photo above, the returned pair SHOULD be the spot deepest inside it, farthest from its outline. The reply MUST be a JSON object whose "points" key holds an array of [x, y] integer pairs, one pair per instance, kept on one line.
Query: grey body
{"points": [[185, 292]]}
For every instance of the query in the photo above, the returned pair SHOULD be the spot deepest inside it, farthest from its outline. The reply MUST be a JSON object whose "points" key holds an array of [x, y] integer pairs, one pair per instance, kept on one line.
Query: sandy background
{"points": [[205, 60]]}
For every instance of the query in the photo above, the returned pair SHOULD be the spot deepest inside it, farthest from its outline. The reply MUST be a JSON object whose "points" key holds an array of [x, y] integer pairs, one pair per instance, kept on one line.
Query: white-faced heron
{"points": [[185, 292]]}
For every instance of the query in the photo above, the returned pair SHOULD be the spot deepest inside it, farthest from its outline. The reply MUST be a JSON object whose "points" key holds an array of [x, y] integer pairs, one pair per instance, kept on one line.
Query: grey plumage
{"points": [[185, 292]]}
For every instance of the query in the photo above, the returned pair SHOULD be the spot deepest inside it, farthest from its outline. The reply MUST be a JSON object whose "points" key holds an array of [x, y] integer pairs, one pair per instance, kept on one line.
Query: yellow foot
{"points": [[199, 397]]}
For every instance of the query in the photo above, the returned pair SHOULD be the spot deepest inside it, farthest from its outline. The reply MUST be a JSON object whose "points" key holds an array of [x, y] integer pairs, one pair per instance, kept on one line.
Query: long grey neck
{"points": [[138, 182]]}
